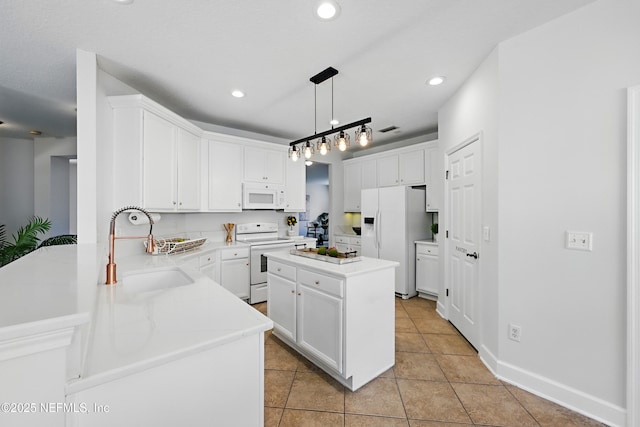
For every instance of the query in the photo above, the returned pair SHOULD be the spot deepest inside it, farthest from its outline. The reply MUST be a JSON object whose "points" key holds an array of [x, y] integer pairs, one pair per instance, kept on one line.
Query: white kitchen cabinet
{"points": [[207, 265], [347, 243], [352, 179], [358, 174], [427, 270], [341, 318], [320, 323], [404, 168], [157, 154], [225, 176], [234, 271], [189, 177], [282, 298], [434, 179], [264, 165], [296, 178], [171, 166]]}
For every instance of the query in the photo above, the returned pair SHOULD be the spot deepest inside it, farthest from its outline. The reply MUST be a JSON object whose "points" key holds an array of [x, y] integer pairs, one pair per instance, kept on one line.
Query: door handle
{"points": [[473, 255]]}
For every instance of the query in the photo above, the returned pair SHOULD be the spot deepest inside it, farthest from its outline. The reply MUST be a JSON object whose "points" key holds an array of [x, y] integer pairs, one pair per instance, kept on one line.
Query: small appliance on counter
{"points": [[262, 238]]}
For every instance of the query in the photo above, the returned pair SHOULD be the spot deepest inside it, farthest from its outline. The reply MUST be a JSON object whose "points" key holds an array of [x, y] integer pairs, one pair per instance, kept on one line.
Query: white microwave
{"points": [[263, 196]]}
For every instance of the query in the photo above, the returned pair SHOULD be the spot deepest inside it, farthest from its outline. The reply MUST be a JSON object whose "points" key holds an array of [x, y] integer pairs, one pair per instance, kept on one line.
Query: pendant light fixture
{"points": [[341, 140], [363, 135]]}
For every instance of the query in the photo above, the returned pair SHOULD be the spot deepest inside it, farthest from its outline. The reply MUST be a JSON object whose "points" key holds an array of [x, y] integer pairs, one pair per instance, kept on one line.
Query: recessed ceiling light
{"points": [[123, 1], [35, 132], [308, 162], [435, 81], [327, 9], [237, 93], [334, 122]]}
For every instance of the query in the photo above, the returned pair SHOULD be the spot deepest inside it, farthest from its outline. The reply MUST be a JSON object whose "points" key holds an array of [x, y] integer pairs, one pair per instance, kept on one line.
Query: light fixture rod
{"points": [[330, 131]]}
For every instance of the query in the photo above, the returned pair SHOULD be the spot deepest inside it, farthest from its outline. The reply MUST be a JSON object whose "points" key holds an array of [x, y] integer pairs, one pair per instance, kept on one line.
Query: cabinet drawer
{"points": [[355, 241], [207, 259], [427, 250], [321, 282], [282, 270], [235, 253], [342, 239]]}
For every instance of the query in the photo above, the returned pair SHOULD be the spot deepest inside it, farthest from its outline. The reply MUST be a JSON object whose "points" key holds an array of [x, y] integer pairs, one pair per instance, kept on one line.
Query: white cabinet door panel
{"points": [[411, 167], [387, 168], [159, 165], [188, 170], [281, 309], [234, 276], [320, 325], [225, 176]]}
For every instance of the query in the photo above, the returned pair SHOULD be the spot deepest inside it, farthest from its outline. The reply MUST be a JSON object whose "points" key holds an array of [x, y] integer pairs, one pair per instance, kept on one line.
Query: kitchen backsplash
{"points": [[209, 225]]}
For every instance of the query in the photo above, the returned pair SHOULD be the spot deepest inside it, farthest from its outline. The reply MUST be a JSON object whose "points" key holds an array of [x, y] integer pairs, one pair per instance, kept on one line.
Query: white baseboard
{"points": [[576, 400]]}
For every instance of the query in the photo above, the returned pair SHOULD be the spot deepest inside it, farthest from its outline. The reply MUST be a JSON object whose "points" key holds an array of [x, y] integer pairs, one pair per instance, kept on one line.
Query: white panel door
{"points": [[464, 232]]}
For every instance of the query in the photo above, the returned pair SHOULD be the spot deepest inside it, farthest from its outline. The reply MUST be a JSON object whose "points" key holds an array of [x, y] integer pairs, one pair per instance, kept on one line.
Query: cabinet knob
{"points": [[174, 203], [292, 291], [279, 269], [180, 203], [317, 282], [299, 294], [209, 259], [238, 204]]}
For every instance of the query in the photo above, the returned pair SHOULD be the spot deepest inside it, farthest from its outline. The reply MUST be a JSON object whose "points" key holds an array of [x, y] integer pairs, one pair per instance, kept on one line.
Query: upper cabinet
{"points": [[296, 176], [413, 165], [403, 168], [434, 179], [358, 174], [156, 155], [225, 176], [264, 165]]}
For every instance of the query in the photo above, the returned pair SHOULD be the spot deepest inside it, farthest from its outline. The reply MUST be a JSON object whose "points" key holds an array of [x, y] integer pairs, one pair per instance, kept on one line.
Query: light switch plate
{"points": [[486, 233], [579, 240]]}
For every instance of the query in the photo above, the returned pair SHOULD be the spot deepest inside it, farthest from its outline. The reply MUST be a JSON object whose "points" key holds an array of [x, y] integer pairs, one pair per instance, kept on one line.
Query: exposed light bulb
{"points": [[363, 139], [294, 155], [323, 149], [342, 144], [307, 151]]}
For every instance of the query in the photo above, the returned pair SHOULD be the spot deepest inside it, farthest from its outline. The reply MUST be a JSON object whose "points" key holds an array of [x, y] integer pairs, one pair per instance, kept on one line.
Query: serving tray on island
{"points": [[342, 258]]}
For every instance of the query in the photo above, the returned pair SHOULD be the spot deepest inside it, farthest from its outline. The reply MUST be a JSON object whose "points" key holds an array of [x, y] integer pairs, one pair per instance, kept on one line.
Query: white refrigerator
{"points": [[392, 219]]}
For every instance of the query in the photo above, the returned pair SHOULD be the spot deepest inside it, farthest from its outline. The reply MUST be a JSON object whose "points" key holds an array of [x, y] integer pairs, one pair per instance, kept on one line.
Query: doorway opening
{"points": [[314, 222]]}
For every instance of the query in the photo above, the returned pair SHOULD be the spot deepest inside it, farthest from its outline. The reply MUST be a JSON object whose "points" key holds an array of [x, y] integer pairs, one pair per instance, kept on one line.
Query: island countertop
{"points": [[365, 265], [123, 332]]}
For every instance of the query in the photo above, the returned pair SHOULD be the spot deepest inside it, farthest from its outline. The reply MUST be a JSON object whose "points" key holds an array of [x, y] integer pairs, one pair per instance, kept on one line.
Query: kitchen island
{"points": [[340, 317], [86, 354]]}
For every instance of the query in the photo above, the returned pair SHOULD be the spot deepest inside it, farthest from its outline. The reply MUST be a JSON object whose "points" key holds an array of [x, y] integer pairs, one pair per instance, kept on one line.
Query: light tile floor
{"points": [[437, 381]]}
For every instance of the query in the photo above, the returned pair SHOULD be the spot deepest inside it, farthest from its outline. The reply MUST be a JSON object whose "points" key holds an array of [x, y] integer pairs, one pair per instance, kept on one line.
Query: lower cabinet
{"points": [[234, 271], [427, 270], [344, 325], [320, 325]]}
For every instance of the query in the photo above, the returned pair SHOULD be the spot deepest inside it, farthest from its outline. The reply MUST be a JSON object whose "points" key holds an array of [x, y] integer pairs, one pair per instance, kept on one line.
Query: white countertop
{"points": [[365, 265], [61, 286], [426, 242]]}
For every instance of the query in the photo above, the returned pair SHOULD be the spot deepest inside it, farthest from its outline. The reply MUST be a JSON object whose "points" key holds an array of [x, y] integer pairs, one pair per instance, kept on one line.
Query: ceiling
{"points": [[189, 54]]}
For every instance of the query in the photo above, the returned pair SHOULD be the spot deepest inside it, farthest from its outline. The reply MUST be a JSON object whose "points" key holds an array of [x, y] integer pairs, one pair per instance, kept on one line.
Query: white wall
{"points": [[474, 110], [16, 182], [51, 180], [562, 166]]}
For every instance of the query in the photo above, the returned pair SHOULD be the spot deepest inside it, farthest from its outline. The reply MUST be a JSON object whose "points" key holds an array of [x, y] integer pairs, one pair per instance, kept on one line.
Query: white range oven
{"points": [[262, 238]]}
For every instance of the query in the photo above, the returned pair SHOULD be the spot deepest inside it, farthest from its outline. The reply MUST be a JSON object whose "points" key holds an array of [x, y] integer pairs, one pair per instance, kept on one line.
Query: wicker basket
{"points": [[175, 245]]}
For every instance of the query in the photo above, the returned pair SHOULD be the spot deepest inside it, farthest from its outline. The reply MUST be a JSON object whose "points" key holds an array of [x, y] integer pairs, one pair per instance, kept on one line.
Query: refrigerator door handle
{"points": [[378, 229]]}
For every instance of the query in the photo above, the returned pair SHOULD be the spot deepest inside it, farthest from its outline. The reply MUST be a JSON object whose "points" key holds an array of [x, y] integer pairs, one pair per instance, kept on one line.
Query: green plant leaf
{"points": [[63, 239]]}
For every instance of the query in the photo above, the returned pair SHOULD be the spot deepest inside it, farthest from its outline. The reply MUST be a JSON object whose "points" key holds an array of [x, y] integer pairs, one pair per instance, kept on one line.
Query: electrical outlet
{"points": [[580, 240], [515, 332]]}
